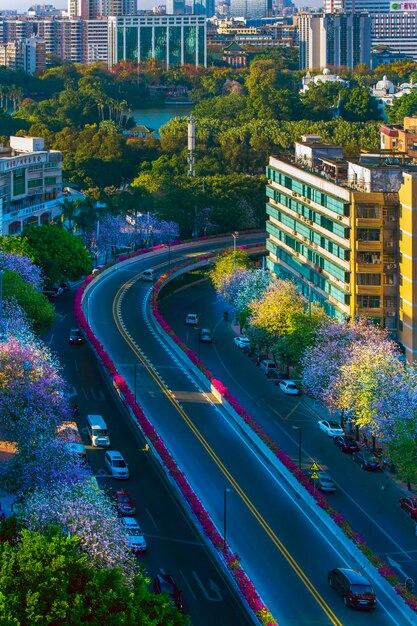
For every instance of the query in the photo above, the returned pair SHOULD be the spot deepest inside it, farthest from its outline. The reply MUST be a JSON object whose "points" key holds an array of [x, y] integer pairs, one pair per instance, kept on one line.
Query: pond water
{"points": [[155, 117]]}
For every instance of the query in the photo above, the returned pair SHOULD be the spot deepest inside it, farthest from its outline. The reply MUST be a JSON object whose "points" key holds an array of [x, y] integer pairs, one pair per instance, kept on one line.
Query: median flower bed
{"points": [[232, 560], [383, 568]]}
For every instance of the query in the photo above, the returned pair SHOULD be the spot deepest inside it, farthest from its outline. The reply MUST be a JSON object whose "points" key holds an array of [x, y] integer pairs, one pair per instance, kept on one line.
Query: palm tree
{"points": [[87, 215], [70, 209]]}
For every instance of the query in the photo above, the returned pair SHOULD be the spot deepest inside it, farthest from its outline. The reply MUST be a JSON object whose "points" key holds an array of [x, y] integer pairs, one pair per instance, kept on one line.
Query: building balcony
{"points": [[368, 222], [369, 290], [370, 312], [368, 246], [368, 268]]}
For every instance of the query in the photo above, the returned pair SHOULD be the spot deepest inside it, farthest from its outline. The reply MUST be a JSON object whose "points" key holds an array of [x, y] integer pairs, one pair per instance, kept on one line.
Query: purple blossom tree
{"points": [[240, 288], [23, 266], [82, 509]]}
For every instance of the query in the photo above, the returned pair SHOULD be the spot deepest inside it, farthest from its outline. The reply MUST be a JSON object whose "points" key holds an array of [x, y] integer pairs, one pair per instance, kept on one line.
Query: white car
{"points": [[192, 319], [134, 536], [242, 342], [331, 428], [289, 387], [116, 465], [267, 365]]}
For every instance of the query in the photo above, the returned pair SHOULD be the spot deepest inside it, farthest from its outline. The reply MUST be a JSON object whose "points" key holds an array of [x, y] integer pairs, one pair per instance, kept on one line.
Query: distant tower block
{"points": [[191, 146]]}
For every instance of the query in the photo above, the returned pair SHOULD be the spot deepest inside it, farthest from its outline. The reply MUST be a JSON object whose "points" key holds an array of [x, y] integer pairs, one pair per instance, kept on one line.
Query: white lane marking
{"points": [[188, 585], [152, 519], [213, 586], [257, 455]]}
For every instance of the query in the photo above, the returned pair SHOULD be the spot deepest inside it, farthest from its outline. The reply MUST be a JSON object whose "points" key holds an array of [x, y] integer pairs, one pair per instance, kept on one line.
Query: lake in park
{"points": [[156, 117]]}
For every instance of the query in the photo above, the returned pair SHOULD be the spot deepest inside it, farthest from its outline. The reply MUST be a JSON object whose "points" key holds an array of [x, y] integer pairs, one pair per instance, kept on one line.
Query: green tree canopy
{"points": [[57, 586], [40, 312], [60, 254], [226, 263]]}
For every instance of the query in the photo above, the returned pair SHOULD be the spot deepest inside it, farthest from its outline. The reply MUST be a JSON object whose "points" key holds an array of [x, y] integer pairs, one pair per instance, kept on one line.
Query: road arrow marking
{"points": [[215, 588], [397, 566]]}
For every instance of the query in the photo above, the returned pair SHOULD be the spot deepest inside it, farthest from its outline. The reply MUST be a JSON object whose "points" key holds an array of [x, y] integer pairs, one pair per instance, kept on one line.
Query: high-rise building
{"points": [[117, 7], [175, 7], [394, 24], [251, 9], [345, 230], [170, 39], [334, 39], [27, 55]]}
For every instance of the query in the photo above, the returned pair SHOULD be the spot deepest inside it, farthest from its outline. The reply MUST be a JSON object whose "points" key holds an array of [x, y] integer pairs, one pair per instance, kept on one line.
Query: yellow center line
{"points": [[271, 534]]}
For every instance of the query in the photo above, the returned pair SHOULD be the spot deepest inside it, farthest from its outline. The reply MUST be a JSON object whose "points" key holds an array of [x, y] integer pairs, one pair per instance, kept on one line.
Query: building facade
{"points": [[334, 39], [333, 229], [30, 184], [170, 39], [251, 9]]}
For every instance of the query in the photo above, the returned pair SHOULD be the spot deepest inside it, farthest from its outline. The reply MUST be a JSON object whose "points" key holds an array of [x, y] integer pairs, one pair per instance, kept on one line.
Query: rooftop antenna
{"points": [[191, 146]]}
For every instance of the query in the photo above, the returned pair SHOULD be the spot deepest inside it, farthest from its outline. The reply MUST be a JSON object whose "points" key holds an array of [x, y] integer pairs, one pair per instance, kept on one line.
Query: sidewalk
{"points": [[323, 412]]}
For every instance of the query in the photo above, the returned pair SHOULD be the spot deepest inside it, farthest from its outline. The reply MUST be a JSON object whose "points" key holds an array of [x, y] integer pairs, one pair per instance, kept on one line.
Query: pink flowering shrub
{"points": [[246, 586]]}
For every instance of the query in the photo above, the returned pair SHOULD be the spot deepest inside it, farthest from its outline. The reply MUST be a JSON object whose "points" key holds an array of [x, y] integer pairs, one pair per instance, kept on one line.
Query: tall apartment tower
{"points": [[117, 8], [334, 39]]}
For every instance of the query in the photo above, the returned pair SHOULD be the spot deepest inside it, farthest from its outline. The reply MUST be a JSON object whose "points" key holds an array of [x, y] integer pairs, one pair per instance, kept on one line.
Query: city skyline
{"points": [[22, 6]]}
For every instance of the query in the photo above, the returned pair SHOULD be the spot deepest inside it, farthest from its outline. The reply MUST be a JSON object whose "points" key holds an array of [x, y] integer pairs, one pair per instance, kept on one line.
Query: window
{"points": [[369, 302], [368, 234], [19, 180], [369, 257], [369, 279]]}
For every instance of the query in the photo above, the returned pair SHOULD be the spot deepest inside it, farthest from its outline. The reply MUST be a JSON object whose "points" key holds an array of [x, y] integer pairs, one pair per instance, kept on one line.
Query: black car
{"points": [[75, 337], [346, 444], [164, 583], [367, 460], [356, 590]]}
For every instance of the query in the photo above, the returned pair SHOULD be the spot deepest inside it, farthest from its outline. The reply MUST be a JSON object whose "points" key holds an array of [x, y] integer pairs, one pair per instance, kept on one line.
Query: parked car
{"points": [[75, 337], [134, 536], [192, 319], [242, 342], [266, 365], [116, 465], [331, 428], [123, 502], [275, 376], [355, 589], [205, 335], [164, 583], [346, 444], [367, 460], [289, 387], [410, 506]]}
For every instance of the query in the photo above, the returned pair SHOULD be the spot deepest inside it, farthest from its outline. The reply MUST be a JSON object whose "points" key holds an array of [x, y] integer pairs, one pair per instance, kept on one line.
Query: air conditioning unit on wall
{"points": [[390, 314]]}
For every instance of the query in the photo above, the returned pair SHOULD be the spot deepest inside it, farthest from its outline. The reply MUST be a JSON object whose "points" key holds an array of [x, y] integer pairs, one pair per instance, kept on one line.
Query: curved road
{"points": [[285, 551]]}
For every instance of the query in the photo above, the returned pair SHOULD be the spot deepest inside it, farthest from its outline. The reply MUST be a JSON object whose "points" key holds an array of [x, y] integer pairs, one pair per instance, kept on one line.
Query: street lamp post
{"points": [[226, 491], [235, 236], [299, 445]]}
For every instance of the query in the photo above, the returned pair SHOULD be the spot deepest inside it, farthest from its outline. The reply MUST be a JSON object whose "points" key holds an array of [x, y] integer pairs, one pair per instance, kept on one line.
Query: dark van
{"points": [[354, 588]]}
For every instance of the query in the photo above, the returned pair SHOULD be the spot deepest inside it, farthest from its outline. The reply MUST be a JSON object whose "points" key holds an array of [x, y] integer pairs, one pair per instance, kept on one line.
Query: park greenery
{"points": [[242, 117], [353, 368]]}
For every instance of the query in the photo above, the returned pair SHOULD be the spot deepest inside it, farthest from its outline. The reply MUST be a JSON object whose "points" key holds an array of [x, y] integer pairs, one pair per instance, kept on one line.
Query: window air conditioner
{"points": [[389, 244], [390, 314]]}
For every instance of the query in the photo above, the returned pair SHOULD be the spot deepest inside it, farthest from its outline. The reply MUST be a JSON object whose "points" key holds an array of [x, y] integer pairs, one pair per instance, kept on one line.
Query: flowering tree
{"points": [[225, 264], [239, 288], [15, 322], [81, 509], [29, 381], [23, 266]]}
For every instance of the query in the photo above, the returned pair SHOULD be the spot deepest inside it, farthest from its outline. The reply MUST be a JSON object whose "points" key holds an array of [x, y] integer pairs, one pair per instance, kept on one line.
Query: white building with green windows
{"points": [[30, 184], [169, 39]]}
